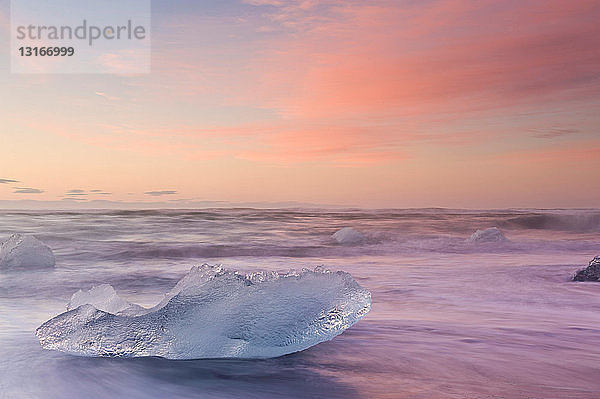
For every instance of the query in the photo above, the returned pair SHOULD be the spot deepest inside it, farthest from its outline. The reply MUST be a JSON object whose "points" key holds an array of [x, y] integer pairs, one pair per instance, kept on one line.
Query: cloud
{"points": [[124, 62], [28, 190], [159, 193], [75, 193], [6, 181], [558, 153], [263, 2], [367, 62], [80, 192], [105, 96], [99, 192], [553, 132], [349, 80]]}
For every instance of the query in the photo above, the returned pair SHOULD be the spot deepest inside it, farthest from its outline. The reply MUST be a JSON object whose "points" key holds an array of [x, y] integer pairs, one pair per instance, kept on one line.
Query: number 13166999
{"points": [[46, 51]]}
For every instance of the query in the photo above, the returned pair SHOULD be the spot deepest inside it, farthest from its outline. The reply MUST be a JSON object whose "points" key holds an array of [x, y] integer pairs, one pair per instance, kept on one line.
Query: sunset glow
{"points": [[375, 104]]}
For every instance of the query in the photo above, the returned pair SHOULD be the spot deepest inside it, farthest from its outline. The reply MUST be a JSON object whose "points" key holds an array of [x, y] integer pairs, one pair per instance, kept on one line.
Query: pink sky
{"points": [[377, 104]]}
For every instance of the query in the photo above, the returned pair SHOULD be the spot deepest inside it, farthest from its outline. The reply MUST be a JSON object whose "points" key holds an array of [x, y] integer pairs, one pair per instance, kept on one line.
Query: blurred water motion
{"points": [[450, 318]]}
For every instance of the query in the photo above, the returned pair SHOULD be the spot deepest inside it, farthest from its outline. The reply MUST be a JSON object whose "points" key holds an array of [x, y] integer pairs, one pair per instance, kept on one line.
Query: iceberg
{"points": [[214, 313], [349, 236], [493, 234], [25, 251]]}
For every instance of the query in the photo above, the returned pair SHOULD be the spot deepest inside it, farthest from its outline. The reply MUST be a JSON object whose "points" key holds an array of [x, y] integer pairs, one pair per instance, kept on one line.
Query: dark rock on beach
{"points": [[591, 273]]}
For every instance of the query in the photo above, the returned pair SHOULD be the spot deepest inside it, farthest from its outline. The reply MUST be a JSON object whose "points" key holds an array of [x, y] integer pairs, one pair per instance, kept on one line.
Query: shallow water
{"points": [[450, 319]]}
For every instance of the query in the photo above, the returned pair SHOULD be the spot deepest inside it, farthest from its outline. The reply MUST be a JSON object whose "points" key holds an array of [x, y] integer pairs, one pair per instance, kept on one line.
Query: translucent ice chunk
{"points": [[213, 313], [25, 251], [349, 236]]}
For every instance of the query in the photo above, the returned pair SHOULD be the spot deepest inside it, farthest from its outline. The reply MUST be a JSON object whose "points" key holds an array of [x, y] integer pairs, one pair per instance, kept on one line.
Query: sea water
{"points": [[450, 317]]}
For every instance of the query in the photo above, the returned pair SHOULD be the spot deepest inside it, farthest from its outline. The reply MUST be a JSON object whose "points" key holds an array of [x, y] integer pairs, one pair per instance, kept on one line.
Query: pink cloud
{"points": [[387, 60], [562, 154], [404, 67], [263, 2], [356, 83], [126, 62]]}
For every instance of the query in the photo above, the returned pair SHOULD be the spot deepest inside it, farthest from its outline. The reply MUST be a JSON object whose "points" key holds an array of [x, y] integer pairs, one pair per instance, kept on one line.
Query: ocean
{"points": [[450, 317]]}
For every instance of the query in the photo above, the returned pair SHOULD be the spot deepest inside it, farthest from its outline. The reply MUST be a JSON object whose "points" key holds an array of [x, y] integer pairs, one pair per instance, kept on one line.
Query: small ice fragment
{"points": [[25, 251], [349, 236]]}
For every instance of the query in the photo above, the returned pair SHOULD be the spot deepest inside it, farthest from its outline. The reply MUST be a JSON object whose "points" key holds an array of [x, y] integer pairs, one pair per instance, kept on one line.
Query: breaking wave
{"points": [[578, 222]]}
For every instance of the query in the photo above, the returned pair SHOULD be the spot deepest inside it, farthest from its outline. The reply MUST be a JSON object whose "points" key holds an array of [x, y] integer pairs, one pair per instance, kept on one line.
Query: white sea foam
{"points": [[213, 313], [493, 234]]}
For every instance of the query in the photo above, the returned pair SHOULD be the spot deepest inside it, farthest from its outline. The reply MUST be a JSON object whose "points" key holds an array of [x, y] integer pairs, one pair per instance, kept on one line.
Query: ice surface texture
{"points": [[104, 297], [217, 313], [349, 236], [493, 234], [25, 251]]}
